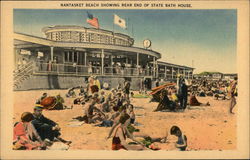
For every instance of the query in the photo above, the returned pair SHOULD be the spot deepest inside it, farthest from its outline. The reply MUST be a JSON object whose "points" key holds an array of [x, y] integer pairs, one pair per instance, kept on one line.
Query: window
{"points": [[70, 56], [66, 56], [75, 57]]}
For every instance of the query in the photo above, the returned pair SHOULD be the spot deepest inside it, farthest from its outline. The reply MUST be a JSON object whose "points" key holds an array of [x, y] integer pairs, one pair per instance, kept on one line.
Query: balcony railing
{"points": [[71, 69], [89, 70]]}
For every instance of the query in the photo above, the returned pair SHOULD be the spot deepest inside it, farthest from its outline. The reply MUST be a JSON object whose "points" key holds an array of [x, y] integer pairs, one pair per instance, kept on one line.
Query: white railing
{"points": [[89, 70]]}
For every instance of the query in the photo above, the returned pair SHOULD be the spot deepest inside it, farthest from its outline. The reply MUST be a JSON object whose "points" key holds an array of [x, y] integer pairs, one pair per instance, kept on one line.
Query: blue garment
{"points": [[44, 127], [106, 123], [180, 141]]}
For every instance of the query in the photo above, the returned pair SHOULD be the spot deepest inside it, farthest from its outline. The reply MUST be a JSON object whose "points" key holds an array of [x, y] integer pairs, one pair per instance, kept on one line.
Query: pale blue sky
{"points": [[208, 37]]}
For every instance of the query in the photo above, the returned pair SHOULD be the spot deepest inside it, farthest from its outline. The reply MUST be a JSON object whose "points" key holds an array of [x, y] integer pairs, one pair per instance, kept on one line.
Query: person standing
{"points": [[183, 94], [233, 94], [126, 89], [157, 83]]}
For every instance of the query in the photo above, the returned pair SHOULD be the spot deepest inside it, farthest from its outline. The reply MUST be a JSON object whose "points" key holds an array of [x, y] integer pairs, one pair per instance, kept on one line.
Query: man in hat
{"points": [[46, 128], [183, 94]]}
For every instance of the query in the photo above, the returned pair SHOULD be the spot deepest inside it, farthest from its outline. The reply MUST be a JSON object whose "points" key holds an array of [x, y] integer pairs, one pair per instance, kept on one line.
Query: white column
{"points": [[137, 59], [165, 72], [85, 58], [102, 56], [51, 53], [111, 65], [184, 73], [157, 69], [172, 72], [137, 63], [154, 69], [188, 74]]}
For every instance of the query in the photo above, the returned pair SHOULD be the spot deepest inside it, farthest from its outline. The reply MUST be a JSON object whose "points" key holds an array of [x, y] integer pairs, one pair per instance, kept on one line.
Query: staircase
{"points": [[21, 74]]}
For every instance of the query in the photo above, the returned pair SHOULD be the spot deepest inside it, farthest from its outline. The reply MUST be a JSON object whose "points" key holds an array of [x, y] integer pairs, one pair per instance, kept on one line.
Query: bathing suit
{"points": [[116, 142]]}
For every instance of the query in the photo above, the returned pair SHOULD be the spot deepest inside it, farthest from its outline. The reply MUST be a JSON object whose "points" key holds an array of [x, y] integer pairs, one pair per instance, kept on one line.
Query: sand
{"points": [[206, 127]]}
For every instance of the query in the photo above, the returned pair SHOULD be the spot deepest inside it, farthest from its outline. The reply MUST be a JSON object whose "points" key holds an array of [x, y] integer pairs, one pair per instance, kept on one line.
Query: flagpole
{"points": [[128, 26], [132, 30]]}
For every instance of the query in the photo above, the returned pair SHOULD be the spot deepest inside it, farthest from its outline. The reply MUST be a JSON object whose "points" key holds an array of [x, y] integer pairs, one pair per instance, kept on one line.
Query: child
{"points": [[182, 139]]}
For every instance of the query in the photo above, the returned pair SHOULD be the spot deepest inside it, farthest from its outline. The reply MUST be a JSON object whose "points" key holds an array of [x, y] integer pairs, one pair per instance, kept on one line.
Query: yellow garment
{"points": [[97, 82], [174, 97]]}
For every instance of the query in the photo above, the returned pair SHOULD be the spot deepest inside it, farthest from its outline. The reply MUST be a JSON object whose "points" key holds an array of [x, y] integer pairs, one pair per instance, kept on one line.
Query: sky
{"points": [[203, 39]]}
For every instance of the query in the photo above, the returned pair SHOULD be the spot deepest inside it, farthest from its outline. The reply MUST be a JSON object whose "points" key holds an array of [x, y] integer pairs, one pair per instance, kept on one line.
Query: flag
{"points": [[119, 21], [93, 21]]}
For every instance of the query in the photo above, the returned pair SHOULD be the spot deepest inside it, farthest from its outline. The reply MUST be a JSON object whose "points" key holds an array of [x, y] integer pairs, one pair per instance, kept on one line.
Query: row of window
{"points": [[73, 36], [71, 56]]}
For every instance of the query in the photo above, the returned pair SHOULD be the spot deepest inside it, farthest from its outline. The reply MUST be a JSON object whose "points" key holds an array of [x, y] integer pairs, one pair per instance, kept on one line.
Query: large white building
{"points": [[70, 53]]}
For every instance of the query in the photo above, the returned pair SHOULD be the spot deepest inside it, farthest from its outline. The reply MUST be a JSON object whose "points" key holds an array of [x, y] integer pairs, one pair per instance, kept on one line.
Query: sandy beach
{"points": [[206, 127]]}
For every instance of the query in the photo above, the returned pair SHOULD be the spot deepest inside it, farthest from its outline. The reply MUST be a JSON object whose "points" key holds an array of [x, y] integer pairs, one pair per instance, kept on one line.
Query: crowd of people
{"points": [[114, 109], [178, 96]]}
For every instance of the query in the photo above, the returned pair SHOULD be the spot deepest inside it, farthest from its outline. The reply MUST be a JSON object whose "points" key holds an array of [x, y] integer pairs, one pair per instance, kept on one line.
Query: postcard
{"points": [[124, 79]]}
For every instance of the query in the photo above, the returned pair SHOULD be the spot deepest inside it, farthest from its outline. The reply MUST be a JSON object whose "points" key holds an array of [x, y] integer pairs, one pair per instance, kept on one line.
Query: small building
{"points": [[229, 76]]}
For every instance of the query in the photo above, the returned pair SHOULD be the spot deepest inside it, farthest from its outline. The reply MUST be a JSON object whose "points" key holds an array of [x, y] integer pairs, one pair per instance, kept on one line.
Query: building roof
{"points": [[173, 65], [45, 29], [30, 40]]}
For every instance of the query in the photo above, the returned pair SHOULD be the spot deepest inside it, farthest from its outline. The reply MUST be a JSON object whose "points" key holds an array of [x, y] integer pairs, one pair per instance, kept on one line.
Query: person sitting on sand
{"points": [[25, 135], [193, 100], [118, 101], [82, 91], [165, 103], [174, 96], [46, 128], [91, 112], [71, 93], [182, 139], [120, 135], [102, 97], [131, 112], [105, 106], [41, 98]]}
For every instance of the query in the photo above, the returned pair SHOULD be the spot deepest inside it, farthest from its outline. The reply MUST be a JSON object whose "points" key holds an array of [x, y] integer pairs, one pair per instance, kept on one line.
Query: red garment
{"points": [[193, 101], [21, 136], [116, 142]]}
